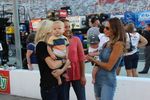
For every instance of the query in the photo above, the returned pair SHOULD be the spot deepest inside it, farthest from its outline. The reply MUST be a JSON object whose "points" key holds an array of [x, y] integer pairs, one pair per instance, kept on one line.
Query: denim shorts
{"points": [[131, 61], [104, 92]]}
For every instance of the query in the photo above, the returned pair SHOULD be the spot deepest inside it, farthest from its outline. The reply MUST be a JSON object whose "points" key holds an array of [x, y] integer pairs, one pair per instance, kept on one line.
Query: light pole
{"points": [[17, 34]]}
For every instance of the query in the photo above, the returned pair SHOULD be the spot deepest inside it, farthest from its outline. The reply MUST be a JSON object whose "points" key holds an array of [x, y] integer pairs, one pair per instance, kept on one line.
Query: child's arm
{"points": [[51, 53], [96, 53]]}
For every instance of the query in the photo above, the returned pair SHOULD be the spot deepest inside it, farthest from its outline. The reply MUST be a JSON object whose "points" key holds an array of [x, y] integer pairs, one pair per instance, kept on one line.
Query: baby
{"points": [[58, 45], [94, 52]]}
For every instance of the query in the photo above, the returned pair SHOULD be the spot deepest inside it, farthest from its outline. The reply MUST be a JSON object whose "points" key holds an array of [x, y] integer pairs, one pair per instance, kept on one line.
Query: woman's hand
{"points": [[53, 56], [89, 58]]}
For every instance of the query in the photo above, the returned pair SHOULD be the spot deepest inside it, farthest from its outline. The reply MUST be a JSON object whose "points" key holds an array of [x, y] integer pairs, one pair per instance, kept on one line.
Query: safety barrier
{"points": [[26, 83]]}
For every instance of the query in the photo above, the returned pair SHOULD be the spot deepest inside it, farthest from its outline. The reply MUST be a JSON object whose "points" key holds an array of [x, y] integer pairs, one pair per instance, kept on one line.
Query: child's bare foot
{"points": [[58, 78]]}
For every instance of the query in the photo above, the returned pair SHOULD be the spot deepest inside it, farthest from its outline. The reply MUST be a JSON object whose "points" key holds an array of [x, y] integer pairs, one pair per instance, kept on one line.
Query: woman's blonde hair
{"points": [[43, 30]]}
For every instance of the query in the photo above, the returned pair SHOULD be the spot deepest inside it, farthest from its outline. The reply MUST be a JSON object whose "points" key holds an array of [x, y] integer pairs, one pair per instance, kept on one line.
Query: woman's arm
{"points": [[42, 54], [143, 41], [53, 64], [114, 56], [58, 72]]}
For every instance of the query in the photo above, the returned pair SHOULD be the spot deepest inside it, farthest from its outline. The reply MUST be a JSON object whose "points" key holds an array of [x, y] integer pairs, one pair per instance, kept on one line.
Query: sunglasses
{"points": [[107, 28]]}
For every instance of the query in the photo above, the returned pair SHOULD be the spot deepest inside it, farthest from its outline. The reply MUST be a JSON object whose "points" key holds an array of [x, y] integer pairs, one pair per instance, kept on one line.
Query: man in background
{"points": [[146, 34]]}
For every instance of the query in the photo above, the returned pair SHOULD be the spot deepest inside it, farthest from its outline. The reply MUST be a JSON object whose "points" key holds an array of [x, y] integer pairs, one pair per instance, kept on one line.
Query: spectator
{"points": [[50, 90], [134, 41], [30, 55], [147, 49], [95, 27], [110, 56]]}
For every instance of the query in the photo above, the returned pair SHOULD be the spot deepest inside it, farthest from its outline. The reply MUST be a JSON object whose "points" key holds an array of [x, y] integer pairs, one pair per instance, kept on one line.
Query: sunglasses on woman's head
{"points": [[107, 28]]}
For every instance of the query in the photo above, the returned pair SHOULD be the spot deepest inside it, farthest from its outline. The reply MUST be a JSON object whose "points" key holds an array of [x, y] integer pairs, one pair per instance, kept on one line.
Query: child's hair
{"points": [[59, 22]]}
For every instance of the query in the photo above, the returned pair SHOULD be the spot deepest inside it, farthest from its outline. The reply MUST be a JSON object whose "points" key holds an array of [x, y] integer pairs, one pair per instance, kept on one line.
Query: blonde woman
{"points": [[50, 90]]}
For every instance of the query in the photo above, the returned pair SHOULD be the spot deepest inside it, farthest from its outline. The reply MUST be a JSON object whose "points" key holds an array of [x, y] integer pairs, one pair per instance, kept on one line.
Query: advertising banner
{"points": [[129, 17], [143, 18], [34, 24], [77, 22], [4, 82]]}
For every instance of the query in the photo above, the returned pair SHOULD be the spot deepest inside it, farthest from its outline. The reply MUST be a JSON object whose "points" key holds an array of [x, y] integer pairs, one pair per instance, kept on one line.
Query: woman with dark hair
{"points": [[110, 56], [146, 34]]}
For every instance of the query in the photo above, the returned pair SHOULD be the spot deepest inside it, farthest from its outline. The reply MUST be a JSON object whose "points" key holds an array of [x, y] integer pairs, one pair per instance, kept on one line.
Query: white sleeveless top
{"points": [[135, 38]]}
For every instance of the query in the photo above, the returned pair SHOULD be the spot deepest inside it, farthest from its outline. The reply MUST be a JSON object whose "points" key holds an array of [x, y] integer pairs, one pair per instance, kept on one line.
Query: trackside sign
{"points": [[4, 82]]}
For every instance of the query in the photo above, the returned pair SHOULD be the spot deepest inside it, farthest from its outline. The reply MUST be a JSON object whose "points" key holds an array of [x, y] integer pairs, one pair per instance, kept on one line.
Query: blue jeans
{"points": [[78, 88], [104, 92], [54, 93]]}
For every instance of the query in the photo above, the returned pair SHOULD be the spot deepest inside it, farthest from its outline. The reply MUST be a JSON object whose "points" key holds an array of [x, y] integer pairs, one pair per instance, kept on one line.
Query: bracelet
{"points": [[63, 61]]}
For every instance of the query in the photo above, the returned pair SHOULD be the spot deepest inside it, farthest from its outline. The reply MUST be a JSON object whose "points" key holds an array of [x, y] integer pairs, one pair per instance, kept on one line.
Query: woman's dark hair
{"points": [[117, 29], [30, 38]]}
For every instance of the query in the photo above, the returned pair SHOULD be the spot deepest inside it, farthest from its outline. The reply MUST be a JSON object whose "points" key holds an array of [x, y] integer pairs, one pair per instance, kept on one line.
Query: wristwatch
{"points": [[63, 61]]}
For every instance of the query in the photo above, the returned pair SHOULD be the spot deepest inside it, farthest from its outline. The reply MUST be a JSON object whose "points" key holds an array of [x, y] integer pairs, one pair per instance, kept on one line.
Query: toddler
{"points": [[58, 45], [94, 52]]}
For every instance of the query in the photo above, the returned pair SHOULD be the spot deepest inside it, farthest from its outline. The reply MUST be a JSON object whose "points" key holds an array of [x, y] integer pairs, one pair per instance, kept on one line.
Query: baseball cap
{"points": [[94, 39]]}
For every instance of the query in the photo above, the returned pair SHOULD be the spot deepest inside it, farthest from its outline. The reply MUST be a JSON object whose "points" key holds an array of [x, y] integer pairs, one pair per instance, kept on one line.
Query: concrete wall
{"points": [[26, 83]]}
